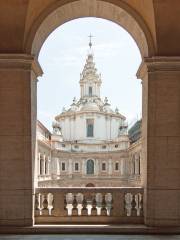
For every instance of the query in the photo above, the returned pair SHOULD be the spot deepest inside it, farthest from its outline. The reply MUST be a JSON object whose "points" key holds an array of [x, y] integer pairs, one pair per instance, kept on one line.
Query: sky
{"points": [[62, 58]]}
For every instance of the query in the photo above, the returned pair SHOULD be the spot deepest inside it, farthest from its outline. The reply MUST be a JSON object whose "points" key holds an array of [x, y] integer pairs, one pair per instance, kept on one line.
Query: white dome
{"points": [[108, 109], [74, 108], [90, 107]]}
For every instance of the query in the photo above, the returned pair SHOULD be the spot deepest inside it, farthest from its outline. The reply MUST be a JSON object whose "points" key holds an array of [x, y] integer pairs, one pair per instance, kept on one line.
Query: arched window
{"points": [[90, 167]]}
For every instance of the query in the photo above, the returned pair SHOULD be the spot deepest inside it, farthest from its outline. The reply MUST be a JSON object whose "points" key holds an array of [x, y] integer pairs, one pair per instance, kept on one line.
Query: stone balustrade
{"points": [[88, 205]]}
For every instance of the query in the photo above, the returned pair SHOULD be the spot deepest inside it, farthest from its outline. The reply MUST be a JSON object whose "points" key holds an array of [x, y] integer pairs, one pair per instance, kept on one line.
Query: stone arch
{"points": [[90, 185], [58, 14]]}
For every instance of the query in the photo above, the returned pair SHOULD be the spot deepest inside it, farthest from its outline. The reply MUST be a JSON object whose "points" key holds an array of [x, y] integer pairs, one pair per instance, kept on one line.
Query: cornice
{"points": [[158, 64], [121, 153], [73, 114], [136, 144], [44, 144], [20, 62]]}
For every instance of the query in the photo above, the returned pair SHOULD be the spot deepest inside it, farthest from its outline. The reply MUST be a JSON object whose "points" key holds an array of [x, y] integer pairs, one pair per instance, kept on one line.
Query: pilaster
{"points": [[18, 74], [161, 140], [110, 167], [44, 164], [70, 169]]}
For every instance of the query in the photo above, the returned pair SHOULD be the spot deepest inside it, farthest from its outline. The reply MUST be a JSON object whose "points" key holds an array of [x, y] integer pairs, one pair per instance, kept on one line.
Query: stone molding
{"points": [[158, 64], [24, 62], [74, 114]]}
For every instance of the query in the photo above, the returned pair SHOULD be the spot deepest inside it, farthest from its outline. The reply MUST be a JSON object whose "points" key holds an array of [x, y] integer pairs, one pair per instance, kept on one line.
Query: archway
{"points": [[58, 14], [90, 185], [160, 74]]}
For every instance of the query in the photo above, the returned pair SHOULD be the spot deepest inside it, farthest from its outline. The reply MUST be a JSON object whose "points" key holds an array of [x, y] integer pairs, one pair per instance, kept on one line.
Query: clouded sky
{"points": [[62, 59]]}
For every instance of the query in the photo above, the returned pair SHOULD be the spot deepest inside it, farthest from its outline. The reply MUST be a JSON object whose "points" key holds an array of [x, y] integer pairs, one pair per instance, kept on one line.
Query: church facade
{"points": [[90, 145]]}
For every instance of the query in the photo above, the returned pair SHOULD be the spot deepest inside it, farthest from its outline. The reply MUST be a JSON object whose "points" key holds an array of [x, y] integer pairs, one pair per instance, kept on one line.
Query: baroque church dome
{"points": [[90, 119], [90, 106]]}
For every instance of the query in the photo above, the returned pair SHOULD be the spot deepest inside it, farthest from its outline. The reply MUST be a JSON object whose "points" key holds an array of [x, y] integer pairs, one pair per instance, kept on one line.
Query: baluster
{"points": [[36, 205], [89, 202], [141, 204], [74, 209], [94, 209], [84, 211], [41, 199], [138, 206], [103, 209], [50, 199], [98, 203], [108, 200], [128, 203], [69, 200], [45, 210], [65, 206], [79, 198]]}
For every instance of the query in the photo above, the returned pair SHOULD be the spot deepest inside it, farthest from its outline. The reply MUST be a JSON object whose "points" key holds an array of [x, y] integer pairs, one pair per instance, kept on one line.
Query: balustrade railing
{"points": [[88, 205]]}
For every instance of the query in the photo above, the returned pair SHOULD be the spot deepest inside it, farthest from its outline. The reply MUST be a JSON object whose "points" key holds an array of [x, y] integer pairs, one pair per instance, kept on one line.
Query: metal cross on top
{"points": [[90, 38]]}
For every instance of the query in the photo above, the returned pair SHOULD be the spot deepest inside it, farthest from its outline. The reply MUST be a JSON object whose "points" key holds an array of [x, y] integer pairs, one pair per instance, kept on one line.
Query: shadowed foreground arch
{"points": [[58, 14], [160, 74]]}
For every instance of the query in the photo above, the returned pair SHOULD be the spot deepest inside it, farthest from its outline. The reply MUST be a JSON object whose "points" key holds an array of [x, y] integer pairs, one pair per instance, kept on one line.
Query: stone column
{"points": [[55, 168], [39, 165], [18, 74], [70, 168], [96, 167], [44, 164], [122, 170], [49, 162], [136, 165], [83, 167], [161, 140], [37, 168], [110, 167], [58, 167]]}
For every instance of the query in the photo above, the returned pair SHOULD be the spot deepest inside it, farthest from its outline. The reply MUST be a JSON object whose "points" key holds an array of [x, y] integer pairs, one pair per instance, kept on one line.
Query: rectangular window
{"points": [[90, 91], [116, 166], [76, 167], [41, 166], [63, 166], [90, 127], [103, 166]]}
